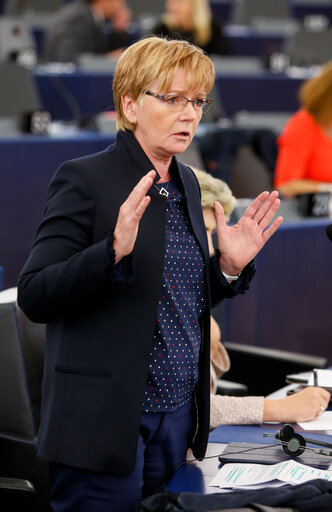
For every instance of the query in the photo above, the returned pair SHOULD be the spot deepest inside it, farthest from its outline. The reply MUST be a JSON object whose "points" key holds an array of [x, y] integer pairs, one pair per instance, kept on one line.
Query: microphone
{"points": [[329, 232]]}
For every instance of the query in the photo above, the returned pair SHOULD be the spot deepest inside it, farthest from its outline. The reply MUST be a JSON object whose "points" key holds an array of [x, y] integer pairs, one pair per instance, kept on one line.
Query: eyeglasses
{"points": [[180, 102]]}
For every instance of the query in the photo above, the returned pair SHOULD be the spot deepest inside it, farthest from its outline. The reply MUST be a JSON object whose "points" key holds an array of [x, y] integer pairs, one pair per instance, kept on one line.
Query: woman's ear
{"points": [[129, 108]]}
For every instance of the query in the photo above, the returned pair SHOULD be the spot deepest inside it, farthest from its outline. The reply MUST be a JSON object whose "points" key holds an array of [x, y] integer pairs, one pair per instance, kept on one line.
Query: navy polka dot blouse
{"points": [[173, 367]]}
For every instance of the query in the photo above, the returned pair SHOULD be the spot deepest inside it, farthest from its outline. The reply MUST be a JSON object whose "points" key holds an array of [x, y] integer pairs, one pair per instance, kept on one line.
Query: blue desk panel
{"points": [[81, 94], [74, 95], [260, 45], [26, 165], [288, 305]]}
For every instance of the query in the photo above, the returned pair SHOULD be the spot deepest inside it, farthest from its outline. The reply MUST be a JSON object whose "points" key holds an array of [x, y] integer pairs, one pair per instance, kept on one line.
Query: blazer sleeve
{"points": [[65, 267], [221, 288]]}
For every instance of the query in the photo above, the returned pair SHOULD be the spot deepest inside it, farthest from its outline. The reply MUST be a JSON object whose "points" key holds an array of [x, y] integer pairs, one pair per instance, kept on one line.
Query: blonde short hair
{"points": [[201, 21], [214, 189], [316, 95], [156, 58]]}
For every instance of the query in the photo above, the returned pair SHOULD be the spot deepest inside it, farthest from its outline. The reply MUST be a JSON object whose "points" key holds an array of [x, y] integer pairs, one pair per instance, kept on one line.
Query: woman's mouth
{"points": [[183, 134]]}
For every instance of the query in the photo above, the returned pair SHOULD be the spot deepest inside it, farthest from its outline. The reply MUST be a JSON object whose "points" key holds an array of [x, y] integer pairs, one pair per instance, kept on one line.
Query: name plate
{"points": [[316, 205]]}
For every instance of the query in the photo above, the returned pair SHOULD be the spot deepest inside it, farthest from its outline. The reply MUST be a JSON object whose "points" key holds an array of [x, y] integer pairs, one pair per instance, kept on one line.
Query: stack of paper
{"points": [[241, 475], [324, 379]]}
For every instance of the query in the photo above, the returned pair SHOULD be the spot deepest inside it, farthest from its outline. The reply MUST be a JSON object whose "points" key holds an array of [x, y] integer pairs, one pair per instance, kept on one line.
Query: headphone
{"points": [[294, 444]]}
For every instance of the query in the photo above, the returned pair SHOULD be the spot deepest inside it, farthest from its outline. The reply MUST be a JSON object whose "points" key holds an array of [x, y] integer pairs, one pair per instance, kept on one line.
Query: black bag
{"points": [[312, 496]]}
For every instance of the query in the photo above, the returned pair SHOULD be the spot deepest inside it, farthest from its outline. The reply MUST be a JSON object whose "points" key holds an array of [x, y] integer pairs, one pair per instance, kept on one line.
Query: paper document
{"points": [[324, 379], [323, 422], [290, 472]]}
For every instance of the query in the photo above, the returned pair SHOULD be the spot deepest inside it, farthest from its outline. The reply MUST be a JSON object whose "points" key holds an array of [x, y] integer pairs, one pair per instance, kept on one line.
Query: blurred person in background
{"points": [[304, 162], [233, 410], [80, 27], [191, 20]]}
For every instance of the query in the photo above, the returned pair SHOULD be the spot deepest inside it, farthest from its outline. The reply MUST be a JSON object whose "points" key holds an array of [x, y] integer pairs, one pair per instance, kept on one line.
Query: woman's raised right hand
{"points": [[130, 214]]}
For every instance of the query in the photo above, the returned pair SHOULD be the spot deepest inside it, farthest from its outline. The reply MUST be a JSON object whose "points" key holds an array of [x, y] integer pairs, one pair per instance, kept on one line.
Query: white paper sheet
{"points": [[322, 422], [233, 475], [324, 378]]}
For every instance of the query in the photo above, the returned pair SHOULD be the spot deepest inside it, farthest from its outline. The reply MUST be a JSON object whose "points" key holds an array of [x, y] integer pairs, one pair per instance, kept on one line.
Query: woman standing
{"points": [[120, 272]]}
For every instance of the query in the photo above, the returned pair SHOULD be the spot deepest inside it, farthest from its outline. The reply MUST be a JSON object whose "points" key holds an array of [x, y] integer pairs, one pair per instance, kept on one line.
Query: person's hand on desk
{"points": [[240, 243], [305, 405]]}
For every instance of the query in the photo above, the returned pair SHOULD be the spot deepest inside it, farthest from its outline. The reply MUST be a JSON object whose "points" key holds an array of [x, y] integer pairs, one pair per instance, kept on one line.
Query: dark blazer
{"points": [[99, 326], [73, 31]]}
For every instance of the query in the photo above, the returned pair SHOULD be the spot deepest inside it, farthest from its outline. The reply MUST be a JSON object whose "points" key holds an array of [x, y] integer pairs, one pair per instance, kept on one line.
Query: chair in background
{"points": [[21, 367], [146, 8], [191, 156], [18, 93], [307, 48], [263, 370], [19, 7], [269, 120], [146, 13], [245, 11], [242, 157], [18, 97], [14, 36], [16, 494], [250, 175], [264, 16]]}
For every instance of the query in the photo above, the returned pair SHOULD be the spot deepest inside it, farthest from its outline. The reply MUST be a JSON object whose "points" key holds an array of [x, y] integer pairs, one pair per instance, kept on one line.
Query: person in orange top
{"points": [[304, 162]]}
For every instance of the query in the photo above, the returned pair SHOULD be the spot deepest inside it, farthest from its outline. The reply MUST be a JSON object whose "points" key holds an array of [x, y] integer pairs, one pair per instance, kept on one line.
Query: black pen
{"points": [[315, 378]]}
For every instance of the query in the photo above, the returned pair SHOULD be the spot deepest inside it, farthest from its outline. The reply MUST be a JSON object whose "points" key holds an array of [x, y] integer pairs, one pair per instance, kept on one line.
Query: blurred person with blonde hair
{"points": [[304, 162], [191, 20], [227, 410]]}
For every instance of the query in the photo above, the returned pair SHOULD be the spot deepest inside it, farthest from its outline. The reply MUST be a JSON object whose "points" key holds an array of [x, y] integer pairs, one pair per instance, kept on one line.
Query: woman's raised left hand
{"points": [[239, 244]]}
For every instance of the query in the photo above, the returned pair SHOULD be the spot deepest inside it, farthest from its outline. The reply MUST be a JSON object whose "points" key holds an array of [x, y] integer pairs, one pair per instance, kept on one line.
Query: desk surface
{"points": [[195, 476]]}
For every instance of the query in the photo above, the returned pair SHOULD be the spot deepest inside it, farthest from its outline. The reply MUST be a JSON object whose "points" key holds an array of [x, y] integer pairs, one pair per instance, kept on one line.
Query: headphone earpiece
{"points": [[294, 444], [285, 433]]}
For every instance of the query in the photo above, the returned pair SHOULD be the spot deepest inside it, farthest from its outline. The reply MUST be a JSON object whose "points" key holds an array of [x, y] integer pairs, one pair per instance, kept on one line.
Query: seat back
{"points": [[244, 11], [249, 176], [15, 406], [32, 338], [18, 93], [263, 369], [242, 157], [306, 48], [19, 7], [14, 36], [21, 368]]}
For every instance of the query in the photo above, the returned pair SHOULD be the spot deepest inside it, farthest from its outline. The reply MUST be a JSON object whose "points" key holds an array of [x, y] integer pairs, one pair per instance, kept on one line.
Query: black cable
{"points": [[68, 97]]}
